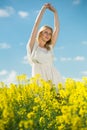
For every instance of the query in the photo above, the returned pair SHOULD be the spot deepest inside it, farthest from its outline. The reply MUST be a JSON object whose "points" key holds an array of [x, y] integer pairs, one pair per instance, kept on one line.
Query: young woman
{"points": [[40, 47]]}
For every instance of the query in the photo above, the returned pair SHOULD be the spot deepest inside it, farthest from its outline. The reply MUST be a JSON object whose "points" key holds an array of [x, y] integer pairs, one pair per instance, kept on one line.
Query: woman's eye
{"points": [[47, 33]]}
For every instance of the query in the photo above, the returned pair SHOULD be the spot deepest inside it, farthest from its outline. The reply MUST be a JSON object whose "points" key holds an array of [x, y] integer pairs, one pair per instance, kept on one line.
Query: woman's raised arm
{"points": [[36, 25], [56, 25]]}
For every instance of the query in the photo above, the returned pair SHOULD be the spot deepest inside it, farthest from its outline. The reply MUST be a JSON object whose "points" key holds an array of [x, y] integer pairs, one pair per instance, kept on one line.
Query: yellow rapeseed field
{"points": [[34, 104]]}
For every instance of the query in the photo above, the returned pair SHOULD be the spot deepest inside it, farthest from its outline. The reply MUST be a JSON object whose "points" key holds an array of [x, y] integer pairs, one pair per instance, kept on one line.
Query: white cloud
{"points": [[76, 2], [3, 13], [79, 58], [11, 78], [65, 59], [23, 14], [84, 42], [77, 79], [25, 60], [6, 12], [74, 78], [84, 73], [3, 72], [4, 46], [8, 77]]}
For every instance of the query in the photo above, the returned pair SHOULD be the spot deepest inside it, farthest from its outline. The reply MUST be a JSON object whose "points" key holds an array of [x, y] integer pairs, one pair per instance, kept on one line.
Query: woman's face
{"points": [[46, 35]]}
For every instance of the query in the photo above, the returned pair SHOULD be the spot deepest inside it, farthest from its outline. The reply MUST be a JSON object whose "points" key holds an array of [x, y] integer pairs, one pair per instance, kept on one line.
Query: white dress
{"points": [[41, 60]]}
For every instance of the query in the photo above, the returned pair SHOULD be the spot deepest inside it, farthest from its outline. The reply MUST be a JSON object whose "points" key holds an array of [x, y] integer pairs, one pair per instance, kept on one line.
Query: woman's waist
{"points": [[42, 61], [42, 64]]}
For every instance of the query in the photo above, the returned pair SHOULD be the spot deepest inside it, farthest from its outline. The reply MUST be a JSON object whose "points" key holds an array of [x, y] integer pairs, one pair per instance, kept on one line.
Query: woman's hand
{"points": [[50, 7], [46, 6]]}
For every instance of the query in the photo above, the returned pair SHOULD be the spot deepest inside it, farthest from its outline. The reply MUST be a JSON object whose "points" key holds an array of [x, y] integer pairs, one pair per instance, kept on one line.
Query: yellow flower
{"points": [[31, 115], [42, 121]]}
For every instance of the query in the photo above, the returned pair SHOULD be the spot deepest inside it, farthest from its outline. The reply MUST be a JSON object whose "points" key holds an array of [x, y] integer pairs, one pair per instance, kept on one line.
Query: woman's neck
{"points": [[41, 43]]}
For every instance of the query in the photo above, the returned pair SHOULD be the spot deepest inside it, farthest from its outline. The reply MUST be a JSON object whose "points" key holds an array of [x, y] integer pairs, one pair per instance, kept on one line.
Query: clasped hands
{"points": [[49, 6]]}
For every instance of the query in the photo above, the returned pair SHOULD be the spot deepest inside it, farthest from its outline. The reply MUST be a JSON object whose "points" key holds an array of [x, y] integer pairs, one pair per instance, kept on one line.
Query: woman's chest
{"points": [[43, 52]]}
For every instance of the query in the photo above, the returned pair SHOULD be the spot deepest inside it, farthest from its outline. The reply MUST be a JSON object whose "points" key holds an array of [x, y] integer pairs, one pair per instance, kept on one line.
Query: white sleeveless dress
{"points": [[41, 60]]}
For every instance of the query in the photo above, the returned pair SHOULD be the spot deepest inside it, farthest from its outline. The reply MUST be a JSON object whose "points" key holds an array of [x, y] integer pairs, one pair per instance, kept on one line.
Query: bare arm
{"points": [[56, 25], [36, 25]]}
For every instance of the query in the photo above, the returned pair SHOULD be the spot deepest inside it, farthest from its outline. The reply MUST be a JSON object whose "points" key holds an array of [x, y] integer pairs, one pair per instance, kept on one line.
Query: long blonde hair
{"points": [[48, 43]]}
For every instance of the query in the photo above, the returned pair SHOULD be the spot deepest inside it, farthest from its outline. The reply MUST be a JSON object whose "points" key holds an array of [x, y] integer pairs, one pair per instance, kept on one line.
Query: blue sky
{"points": [[17, 18]]}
